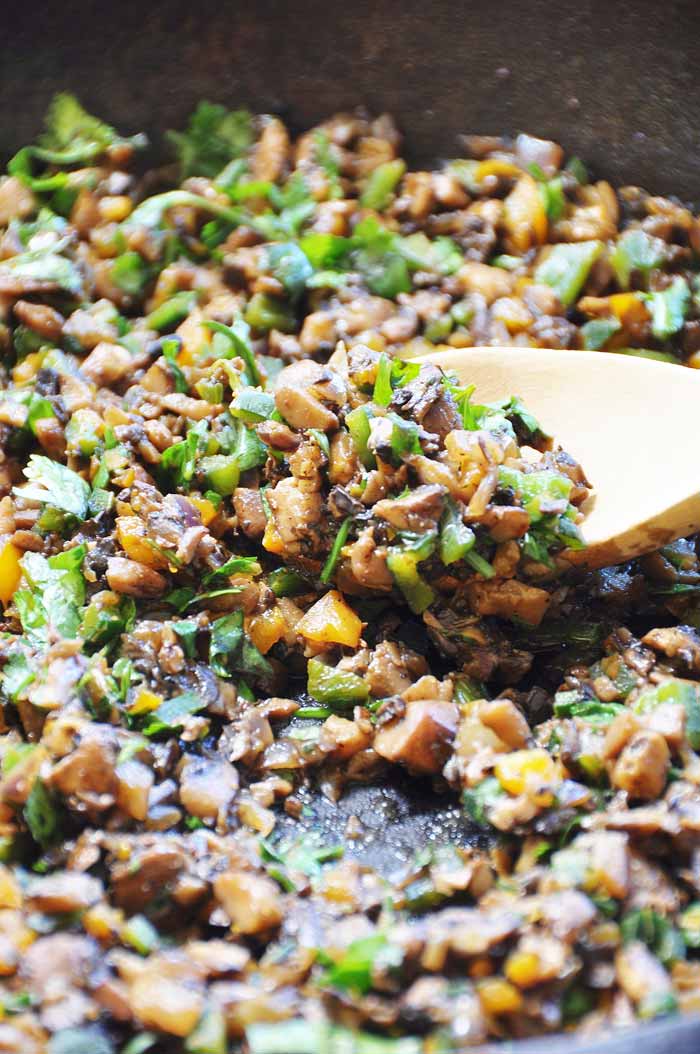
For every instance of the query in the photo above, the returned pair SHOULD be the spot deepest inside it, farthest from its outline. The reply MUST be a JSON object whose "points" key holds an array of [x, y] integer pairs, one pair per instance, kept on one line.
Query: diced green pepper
{"points": [[286, 583], [566, 268], [81, 436], [636, 251], [172, 311], [690, 925], [222, 472], [357, 422], [574, 704], [403, 563], [130, 273], [252, 405], [456, 539], [669, 308], [674, 691], [140, 934], [381, 184], [598, 332], [335, 688], [264, 313]]}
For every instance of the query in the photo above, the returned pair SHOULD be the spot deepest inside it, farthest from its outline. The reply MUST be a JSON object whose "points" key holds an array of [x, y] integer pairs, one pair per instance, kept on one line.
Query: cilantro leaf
{"points": [[231, 651], [45, 266], [52, 483], [669, 308], [213, 137]]}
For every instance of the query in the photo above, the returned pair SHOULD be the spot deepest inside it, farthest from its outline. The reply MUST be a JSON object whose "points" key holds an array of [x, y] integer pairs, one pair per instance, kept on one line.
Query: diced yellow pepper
{"points": [[527, 769], [694, 361], [28, 368], [133, 538], [524, 215], [494, 166], [523, 969], [271, 539], [194, 336], [628, 308], [103, 922], [331, 621], [206, 508], [145, 702], [267, 628], [10, 893], [114, 416], [499, 996], [10, 571], [115, 207]]}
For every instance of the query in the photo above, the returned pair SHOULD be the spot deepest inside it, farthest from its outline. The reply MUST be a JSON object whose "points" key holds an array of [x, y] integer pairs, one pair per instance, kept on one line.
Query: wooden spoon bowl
{"points": [[632, 423]]}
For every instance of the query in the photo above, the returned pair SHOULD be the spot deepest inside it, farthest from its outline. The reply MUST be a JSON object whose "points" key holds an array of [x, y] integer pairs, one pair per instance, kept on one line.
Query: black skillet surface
{"points": [[616, 82]]}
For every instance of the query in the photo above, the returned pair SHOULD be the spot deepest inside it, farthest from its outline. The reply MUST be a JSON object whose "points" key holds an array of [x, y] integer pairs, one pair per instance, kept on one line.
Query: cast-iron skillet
{"points": [[615, 82]]}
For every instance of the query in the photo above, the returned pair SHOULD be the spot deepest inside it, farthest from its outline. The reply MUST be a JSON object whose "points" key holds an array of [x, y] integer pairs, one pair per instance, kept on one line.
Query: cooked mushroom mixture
{"points": [[254, 553]]}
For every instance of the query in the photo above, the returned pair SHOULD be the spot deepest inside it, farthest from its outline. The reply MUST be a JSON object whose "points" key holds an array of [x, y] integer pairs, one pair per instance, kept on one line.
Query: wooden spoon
{"points": [[632, 423]]}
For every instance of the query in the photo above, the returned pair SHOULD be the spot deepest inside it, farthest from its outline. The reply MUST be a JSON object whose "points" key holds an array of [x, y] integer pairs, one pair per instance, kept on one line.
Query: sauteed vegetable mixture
{"points": [[249, 545]]}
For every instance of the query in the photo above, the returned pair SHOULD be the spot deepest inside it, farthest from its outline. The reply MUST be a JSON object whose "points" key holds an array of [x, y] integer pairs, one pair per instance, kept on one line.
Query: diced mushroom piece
{"points": [[41, 318], [536, 960], [343, 738], [167, 994], [504, 522], [506, 720], [134, 579], [272, 151], [251, 901], [301, 391], [609, 860], [491, 282], [106, 364], [676, 642], [250, 511], [296, 512], [642, 767], [87, 772], [619, 732], [640, 973], [145, 875], [134, 782], [508, 598], [56, 970], [63, 892], [474, 932], [392, 669], [420, 739], [418, 511], [568, 912], [207, 787], [16, 200], [368, 562]]}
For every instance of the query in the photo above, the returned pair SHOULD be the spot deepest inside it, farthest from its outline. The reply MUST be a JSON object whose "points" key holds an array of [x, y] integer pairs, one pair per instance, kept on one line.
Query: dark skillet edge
{"points": [[643, 131], [677, 1035], [614, 83]]}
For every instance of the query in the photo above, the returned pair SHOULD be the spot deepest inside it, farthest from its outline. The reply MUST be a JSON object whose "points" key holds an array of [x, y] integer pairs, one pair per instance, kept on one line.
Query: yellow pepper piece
{"points": [[524, 215], [527, 769], [628, 308], [206, 508], [331, 621], [145, 702], [10, 893], [523, 969], [267, 628], [271, 539], [494, 166], [10, 571], [499, 996], [28, 368], [131, 532]]}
